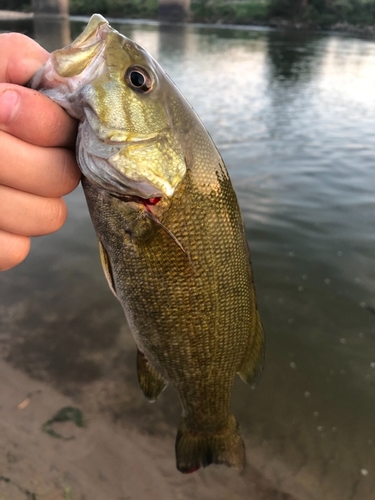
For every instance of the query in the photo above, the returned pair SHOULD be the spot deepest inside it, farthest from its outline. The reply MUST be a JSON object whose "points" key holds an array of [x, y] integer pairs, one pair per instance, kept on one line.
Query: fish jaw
{"points": [[120, 147], [70, 68]]}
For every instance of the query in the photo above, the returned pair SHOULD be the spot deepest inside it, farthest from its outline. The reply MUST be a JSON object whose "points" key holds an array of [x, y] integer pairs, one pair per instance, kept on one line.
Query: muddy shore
{"points": [[105, 460]]}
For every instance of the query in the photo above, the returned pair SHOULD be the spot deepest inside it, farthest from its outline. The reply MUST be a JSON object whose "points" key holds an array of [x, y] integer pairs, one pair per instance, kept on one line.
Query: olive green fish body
{"points": [[172, 244]]}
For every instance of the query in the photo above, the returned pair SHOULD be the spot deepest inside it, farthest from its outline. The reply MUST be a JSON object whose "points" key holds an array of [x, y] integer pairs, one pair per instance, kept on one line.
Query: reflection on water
{"points": [[293, 115], [52, 33]]}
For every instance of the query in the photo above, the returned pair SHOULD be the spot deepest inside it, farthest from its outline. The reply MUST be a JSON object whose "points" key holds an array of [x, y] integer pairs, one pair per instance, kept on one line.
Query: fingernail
{"points": [[9, 106]]}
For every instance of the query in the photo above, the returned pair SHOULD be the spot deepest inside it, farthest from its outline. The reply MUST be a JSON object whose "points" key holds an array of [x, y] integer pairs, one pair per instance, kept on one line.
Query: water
{"points": [[294, 117]]}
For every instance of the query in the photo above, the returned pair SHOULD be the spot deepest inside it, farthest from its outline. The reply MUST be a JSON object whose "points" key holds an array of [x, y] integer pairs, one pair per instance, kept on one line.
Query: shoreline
{"points": [[281, 24], [102, 459], [11, 15]]}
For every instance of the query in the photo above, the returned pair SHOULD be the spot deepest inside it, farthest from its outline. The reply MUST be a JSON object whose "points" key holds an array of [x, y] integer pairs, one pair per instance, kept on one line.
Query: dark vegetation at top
{"points": [[309, 13], [325, 13]]}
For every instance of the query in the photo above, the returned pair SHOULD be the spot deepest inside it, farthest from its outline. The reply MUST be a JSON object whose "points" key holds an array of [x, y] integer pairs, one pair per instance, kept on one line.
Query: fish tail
{"points": [[195, 450]]}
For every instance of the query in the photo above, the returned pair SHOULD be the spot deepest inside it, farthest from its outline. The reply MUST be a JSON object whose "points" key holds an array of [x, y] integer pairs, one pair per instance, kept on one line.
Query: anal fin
{"points": [[253, 363], [150, 380]]}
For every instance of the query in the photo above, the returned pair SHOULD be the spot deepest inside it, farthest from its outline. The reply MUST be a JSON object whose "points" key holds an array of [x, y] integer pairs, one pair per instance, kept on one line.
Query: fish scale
{"points": [[170, 234]]}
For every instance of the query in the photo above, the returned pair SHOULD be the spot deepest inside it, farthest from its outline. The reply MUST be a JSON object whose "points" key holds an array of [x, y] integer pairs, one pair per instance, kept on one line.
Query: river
{"points": [[293, 115]]}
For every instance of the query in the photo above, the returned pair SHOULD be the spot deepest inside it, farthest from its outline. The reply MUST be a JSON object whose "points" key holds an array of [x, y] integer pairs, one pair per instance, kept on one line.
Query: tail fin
{"points": [[195, 450]]}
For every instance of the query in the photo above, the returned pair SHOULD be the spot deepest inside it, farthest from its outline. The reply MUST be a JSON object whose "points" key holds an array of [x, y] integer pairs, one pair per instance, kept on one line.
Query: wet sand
{"points": [[103, 461]]}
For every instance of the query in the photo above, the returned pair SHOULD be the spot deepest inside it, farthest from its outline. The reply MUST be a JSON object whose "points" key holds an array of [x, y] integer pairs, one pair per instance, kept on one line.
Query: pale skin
{"points": [[37, 161]]}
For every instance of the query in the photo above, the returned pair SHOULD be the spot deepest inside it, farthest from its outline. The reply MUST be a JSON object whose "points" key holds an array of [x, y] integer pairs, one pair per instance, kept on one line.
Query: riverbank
{"points": [[103, 459], [276, 23], [340, 27], [10, 15]]}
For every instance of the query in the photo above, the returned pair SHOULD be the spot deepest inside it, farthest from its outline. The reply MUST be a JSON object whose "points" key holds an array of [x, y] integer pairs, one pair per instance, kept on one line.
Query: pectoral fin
{"points": [[253, 363], [150, 380], [107, 267]]}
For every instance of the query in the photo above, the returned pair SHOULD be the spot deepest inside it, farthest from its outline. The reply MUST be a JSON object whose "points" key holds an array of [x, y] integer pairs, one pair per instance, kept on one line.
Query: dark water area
{"points": [[293, 115]]}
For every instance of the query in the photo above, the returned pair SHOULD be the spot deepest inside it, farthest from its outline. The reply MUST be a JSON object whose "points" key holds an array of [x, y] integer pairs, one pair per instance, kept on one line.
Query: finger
{"points": [[20, 58], [13, 249], [50, 172], [33, 117], [29, 215]]}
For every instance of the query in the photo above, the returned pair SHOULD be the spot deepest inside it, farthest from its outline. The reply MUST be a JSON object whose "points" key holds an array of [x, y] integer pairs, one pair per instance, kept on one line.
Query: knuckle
{"points": [[54, 121], [60, 127], [55, 214], [70, 174]]}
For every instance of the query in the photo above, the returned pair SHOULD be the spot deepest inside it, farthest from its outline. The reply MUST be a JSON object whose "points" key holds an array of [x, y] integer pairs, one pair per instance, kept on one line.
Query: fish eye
{"points": [[138, 79]]}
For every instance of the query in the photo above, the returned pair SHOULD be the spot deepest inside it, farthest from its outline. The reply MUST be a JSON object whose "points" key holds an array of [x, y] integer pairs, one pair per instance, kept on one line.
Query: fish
{"points": [[171, 238]]}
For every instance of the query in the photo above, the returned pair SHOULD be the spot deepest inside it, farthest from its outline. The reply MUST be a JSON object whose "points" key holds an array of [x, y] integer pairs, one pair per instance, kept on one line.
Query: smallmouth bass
{"points": [[171, 238]]}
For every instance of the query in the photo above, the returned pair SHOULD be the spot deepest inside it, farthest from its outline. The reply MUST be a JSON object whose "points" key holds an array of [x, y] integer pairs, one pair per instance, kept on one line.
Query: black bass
{"points": [[170, 233]]}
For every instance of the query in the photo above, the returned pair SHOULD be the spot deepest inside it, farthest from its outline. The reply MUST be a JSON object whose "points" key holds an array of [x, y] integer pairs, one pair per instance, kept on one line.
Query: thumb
{"points": [[34, 118]]}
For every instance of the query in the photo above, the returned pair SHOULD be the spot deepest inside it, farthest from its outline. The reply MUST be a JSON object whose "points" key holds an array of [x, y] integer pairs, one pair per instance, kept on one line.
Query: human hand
{"points": [[37, 161]]}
